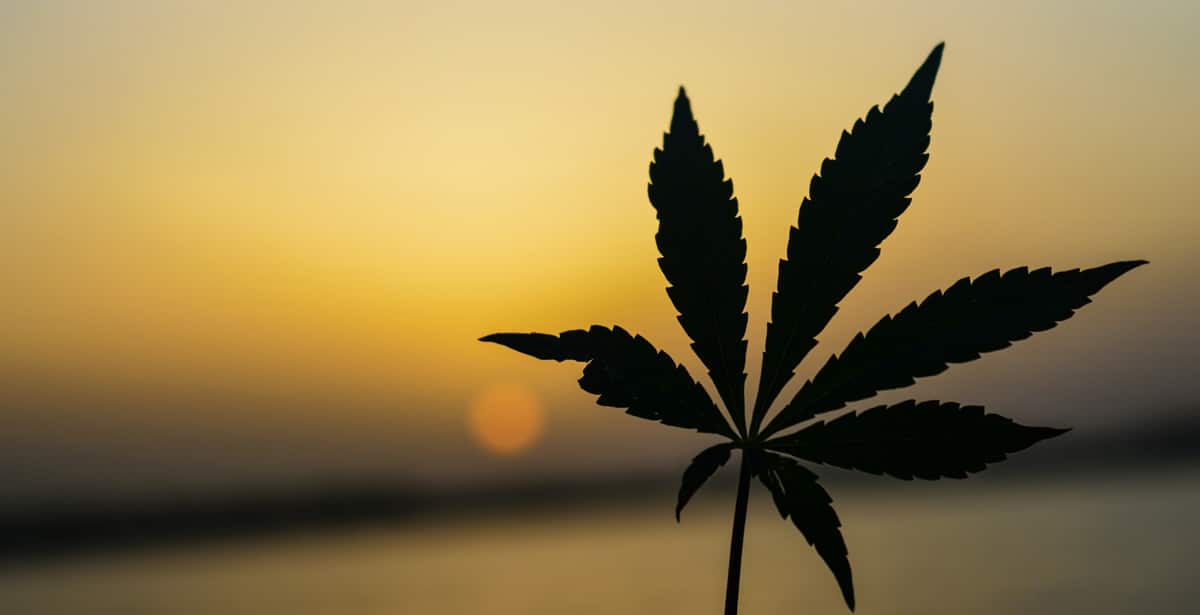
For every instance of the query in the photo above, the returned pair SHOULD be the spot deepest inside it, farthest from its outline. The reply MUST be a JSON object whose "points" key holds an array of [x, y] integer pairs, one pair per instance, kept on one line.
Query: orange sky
{"points": [[225, 231]]}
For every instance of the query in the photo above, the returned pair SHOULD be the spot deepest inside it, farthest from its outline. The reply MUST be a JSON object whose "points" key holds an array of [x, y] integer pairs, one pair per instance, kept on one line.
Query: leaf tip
{"points": [[1124, 266], [848, 593], [1041, 434], [682, 118], [1054, 432], [1101, 276], [921, 84]]}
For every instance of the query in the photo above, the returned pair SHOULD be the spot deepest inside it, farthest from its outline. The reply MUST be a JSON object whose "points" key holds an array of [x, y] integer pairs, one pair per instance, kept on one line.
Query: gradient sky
{"points": [[258, 244]]}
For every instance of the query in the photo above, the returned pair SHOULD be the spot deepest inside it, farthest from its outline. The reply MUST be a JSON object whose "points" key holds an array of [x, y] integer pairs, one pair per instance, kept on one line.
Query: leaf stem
{"points": [[735, 542]]}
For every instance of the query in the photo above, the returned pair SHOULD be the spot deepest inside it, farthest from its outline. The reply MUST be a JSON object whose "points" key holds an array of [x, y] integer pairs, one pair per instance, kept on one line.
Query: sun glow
{"points": [[506, 419]]}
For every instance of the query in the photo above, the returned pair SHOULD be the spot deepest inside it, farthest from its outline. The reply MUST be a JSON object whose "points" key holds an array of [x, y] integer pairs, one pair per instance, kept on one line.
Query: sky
{"points": [[256, 245]]}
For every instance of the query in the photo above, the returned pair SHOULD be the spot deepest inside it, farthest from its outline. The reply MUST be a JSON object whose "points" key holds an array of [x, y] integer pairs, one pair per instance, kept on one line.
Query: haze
{"points": [[255, 246]]}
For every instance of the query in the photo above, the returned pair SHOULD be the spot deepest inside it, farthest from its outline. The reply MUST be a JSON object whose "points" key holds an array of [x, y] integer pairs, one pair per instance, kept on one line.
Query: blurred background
{"points": [[246, 253]]}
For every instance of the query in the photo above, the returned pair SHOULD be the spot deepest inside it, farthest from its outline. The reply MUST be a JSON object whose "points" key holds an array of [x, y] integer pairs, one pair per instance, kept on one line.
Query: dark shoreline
{"points": [[76, 529]]}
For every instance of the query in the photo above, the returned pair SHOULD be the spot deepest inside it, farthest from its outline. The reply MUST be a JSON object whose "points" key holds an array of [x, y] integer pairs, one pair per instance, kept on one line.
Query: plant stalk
{"points": [[735, 542]]}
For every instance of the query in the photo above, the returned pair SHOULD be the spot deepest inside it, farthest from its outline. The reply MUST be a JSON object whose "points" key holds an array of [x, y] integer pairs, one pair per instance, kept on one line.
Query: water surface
{"points": [[1086, 546]]}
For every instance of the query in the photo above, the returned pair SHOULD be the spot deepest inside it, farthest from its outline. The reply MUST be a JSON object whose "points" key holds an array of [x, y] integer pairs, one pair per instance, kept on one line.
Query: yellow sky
{"points": [[328, 204]]}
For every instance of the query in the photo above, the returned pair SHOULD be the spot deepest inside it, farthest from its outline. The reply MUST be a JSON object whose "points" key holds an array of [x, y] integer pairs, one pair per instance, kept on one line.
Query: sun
{"points": [[505, 419]]}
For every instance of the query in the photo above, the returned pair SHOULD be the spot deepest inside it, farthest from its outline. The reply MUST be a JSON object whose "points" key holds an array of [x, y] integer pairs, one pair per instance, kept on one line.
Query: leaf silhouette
{"points": [[852, 207], [699, 471], [928, 440], [574, 345], [798, 495], [703, 253], [627, 372], [969, 318]]}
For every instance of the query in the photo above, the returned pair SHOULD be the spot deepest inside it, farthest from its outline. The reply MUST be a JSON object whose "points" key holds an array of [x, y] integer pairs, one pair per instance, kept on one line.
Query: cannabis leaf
{"points": [[703, 253], [627, 372], [852, 206]]}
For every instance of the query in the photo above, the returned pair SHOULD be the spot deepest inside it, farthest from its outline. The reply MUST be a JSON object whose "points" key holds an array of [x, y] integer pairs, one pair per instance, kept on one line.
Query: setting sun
{"points": [[505, 419]]}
